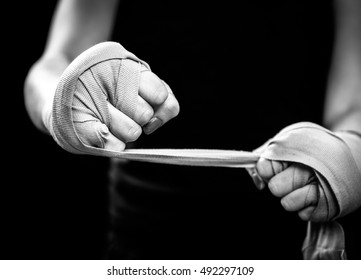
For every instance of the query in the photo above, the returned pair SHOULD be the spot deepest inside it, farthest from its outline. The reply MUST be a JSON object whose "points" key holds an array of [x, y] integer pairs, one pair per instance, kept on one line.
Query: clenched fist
{"points": [[296, 185], [313, 171], [155, 105], [105, 98]]}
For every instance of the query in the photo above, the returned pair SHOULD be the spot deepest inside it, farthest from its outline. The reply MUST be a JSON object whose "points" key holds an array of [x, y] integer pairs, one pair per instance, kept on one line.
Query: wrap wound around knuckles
{"points": [[108, 72], [93, 72], [329, 155], [336, 161], [326, 152]]}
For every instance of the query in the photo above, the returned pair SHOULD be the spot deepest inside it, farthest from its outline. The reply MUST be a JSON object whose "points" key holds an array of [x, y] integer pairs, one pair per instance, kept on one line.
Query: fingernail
{"points": [[152, 125]]}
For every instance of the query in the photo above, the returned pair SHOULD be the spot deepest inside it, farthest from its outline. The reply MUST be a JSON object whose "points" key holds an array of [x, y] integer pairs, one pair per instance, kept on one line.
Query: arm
{"points": [[334, 154], [343, 99], [76, 26]]}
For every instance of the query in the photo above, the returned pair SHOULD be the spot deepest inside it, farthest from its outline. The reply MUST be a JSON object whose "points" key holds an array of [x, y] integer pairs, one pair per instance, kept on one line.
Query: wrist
{"points": [[39, 90], [353, 142], [46, 113]]}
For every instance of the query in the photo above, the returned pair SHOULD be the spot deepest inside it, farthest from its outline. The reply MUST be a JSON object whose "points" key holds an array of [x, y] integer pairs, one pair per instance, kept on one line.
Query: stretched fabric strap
{"points": [[193, 157], [324, 241], [108, 72]]}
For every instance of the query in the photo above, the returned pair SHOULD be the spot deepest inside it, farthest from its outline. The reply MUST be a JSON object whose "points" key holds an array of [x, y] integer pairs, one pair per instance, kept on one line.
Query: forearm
{"points": [[40, 86], [76, 26], [343, 99], [80, 24]]}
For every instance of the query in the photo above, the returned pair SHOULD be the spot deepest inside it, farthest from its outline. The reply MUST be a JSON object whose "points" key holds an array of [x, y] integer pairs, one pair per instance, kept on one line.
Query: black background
{"points": [[48, 211]]}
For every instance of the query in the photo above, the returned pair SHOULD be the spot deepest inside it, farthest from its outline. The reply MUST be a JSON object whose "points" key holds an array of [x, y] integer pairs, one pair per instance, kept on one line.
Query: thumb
{"points": [[96, 134]]}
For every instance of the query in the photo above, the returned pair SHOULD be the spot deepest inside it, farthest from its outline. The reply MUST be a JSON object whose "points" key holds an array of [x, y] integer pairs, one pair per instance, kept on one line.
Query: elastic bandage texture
{"points": [[105, 72], [108, 73]]}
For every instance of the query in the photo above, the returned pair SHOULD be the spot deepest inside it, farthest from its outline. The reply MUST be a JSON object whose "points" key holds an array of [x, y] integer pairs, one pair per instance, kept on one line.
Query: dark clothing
{"points": [[241, 72]]}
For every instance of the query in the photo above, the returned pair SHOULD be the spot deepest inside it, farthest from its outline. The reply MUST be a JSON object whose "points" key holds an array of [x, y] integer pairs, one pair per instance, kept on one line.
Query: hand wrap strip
{"points": [[336, 160], [108, 72], [105, 72], [335, 164]]}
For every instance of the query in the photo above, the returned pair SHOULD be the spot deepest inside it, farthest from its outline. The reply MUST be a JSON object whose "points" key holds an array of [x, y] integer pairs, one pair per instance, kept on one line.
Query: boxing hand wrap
{"points": [[335, 158], [104, 73], [109, 73], [324, 241], [336, 161]]}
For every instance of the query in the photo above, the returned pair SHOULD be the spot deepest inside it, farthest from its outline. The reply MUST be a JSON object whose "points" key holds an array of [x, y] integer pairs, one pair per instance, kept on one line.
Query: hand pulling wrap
{"points": [[330, 157], [109, 73], [336, 160]]}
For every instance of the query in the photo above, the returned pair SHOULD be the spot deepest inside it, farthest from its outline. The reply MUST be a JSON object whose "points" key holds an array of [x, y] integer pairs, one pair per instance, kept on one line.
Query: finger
{"points": [[152, 89], [144, 112], [294, 177], [97, 134], [123, 127], [168, 110], [301, 198], [257, 180], [306, 213], [267, 169]]}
